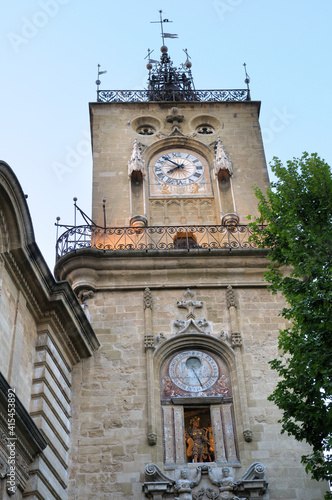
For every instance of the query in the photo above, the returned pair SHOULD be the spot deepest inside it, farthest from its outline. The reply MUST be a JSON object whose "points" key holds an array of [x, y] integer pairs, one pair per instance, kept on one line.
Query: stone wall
{"points": [[117, 399]]}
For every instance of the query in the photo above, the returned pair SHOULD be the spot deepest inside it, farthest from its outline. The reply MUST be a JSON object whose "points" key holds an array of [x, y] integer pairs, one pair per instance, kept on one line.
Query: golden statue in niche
{"points": [[199, 441]]}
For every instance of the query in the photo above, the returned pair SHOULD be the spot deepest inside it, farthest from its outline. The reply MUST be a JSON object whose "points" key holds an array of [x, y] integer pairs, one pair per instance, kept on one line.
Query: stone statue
{"points": [[195, 439], [184, 485], [226, 485]]}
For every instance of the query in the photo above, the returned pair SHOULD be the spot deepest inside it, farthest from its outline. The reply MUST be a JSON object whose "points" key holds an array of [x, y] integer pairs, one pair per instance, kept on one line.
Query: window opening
{"points": [[198, 435]]}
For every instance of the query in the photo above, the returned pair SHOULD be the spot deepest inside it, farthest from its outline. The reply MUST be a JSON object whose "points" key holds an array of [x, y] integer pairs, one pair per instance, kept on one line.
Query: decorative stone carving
{"points": [[156, 483], [191, 325], [152, 438], [174, 116], [183, 486], [138, 222], [189, 304], [136, 164], [236, 339], [84, 295], [247, 434], [161, 135], [147, 297], [161, 337], [176, 130], [205, 129], [230, 297], [198, 495], [148, 341], [230, 219], [253, 483], [146, 130], [209, 485], [222, 164]]}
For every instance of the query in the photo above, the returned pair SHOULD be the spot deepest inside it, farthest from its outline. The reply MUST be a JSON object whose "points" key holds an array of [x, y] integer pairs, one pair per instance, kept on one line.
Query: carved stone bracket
{"points": [[156, 483], [222, 164], [136, 164], [253, 483]]}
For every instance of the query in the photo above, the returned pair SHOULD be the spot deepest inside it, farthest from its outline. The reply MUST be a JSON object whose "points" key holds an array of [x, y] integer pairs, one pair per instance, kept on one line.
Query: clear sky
{"points": [[49, 55]]}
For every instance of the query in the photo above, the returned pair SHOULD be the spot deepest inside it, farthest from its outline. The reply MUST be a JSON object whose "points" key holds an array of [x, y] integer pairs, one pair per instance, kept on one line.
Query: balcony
{"points": [[152, 238], [173, 95]]}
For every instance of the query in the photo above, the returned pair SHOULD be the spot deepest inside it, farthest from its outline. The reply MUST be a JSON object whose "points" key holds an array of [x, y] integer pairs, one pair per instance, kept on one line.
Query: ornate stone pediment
{"points": [[206, 483]]}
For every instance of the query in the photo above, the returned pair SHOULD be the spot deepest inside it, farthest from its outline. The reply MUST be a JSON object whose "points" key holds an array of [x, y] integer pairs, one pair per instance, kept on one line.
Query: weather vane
{"points": [[247, 80], [98, 82], [161, 22], [149, 58]]}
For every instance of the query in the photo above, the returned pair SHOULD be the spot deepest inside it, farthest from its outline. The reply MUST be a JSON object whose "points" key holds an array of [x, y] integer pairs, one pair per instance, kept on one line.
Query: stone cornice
{"points": [[96, 270]]}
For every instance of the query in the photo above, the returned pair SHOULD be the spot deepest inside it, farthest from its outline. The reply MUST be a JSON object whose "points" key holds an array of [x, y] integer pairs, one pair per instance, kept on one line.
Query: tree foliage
{"points": [[297, 209]]}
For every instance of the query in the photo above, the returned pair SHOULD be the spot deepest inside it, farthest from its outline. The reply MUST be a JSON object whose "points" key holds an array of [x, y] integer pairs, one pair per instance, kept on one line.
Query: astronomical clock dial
{"points": [[193, 371], [179, 171]]}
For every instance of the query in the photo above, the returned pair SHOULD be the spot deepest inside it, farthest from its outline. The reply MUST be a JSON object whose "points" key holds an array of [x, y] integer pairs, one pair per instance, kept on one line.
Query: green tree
{"points": [[297, 211]]}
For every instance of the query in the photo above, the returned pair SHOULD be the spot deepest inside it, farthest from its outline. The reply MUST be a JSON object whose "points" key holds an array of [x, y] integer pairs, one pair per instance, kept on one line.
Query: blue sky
{"points": [[49, 55]]}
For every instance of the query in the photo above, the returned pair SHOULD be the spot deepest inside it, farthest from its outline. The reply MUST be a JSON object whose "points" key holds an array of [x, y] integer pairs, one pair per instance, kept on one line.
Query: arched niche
{"points": [[196, 394]]}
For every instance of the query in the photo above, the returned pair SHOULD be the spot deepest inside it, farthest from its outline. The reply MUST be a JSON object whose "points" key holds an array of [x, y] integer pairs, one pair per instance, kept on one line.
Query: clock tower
{"points": [[174, 403]]}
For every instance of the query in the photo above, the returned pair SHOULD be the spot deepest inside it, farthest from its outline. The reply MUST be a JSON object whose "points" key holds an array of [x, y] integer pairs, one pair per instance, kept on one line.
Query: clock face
{"points": [[193, 371], [178, 168]]}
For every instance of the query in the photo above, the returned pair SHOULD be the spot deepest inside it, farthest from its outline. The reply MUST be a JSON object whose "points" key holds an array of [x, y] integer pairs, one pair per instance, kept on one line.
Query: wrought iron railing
{"points": [[172, 95], [154, 238]]}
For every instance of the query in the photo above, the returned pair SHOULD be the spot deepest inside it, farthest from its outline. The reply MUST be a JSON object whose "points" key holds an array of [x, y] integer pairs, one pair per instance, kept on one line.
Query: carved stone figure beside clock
{"points": [[181, 172]]}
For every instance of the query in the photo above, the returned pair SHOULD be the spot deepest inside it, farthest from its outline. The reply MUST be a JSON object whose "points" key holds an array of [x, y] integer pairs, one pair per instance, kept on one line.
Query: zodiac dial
{"points": [[193, 371]]}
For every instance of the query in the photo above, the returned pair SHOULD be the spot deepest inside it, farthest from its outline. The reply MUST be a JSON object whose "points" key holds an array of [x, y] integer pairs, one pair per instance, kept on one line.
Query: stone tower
{"points": [[174, 402]]}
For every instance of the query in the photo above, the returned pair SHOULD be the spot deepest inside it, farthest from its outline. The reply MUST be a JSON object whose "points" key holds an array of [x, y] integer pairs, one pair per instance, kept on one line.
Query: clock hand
{"points": [[174, 163], [193, 369], [175, 168], [167, 159]]}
